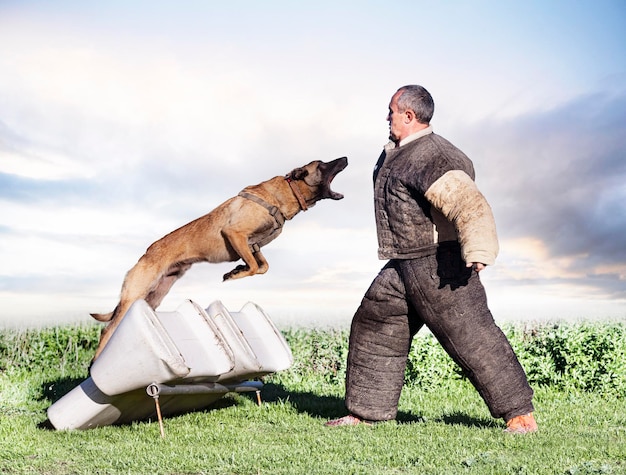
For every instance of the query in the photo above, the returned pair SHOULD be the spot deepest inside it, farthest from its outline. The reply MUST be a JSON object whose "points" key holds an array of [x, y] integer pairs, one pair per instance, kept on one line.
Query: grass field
{"points": [[443, 427]]}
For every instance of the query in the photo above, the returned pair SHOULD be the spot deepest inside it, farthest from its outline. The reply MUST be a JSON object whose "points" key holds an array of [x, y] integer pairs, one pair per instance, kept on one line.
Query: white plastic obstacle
{"points": [[188, 359]]}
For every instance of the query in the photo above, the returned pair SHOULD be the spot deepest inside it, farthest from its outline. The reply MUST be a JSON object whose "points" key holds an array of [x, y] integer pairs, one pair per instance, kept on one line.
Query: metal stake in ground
{"points": [[153, 390]]}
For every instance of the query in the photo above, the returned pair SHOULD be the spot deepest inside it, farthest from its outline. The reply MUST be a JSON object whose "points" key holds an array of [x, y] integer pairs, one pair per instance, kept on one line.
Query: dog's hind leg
{"points": [[139, 281], [164, 284]]}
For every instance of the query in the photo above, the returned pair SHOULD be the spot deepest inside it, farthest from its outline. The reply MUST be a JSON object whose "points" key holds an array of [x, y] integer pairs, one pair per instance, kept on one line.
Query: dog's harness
{"points": [[271, 209], [279, 217]]}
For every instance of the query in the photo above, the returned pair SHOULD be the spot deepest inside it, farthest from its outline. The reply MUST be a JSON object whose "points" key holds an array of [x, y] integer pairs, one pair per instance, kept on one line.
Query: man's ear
{"points": [[409, 115], [299, 173]]}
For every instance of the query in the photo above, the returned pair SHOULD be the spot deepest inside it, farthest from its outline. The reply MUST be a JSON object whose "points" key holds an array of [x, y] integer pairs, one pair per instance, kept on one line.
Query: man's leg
{"points": [[452, 303], [380, 338]]}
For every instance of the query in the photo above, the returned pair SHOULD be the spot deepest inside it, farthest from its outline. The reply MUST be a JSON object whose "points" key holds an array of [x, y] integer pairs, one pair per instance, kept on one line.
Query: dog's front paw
{"points": [[237, 270]]}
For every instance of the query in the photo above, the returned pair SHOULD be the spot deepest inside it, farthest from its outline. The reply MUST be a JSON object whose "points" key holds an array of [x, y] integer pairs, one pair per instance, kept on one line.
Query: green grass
{"points": [[443, 426]]}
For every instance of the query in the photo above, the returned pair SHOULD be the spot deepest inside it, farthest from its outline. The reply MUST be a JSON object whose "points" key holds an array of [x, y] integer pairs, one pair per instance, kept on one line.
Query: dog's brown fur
{"points": [[226, 234]]}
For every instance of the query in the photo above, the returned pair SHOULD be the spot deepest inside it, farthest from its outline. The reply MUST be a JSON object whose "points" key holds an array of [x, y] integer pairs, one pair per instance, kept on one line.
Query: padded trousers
{"points": [[438, 291]]}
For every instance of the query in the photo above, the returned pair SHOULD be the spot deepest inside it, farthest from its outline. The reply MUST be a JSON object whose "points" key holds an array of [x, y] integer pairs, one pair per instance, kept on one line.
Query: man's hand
{"points": [[477, 266]]}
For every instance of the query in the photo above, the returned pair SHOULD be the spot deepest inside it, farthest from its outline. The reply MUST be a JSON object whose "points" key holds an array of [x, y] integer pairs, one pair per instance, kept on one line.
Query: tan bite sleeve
{"points": [[456, 196]]}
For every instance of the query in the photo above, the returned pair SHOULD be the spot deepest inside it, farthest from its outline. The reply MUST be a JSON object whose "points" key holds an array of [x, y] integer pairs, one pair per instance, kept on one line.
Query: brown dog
{"points": [[236, 229]]}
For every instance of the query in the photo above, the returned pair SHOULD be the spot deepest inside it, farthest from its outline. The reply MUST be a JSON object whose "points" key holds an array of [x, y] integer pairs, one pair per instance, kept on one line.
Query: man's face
{"points": [[396, 119]]}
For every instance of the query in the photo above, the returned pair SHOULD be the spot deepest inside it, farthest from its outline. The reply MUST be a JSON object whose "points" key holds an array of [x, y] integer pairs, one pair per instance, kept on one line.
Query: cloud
{"points": [[556, 181]]}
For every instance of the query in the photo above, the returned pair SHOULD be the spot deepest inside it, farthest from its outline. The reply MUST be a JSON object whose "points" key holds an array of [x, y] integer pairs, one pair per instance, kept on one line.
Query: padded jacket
{"points": [[424, 194]]}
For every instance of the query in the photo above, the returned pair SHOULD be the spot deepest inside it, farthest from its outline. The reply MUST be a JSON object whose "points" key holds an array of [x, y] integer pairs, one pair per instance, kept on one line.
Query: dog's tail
{"points": [[102, 317]]}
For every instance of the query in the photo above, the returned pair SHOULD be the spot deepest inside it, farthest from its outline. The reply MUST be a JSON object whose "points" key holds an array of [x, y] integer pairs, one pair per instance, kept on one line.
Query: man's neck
{"points": [[421, 132]]}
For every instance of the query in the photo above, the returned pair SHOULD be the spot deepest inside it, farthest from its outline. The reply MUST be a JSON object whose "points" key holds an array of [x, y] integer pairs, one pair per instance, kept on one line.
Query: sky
{"points": [[123, 120]]}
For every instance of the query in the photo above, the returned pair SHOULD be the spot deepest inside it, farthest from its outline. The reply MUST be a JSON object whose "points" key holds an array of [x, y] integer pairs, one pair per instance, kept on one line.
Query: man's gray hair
{"points": [[419, 100]]}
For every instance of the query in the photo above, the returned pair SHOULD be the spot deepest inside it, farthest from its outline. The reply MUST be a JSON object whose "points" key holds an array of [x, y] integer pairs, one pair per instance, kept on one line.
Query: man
{"points": [[438, 232]]}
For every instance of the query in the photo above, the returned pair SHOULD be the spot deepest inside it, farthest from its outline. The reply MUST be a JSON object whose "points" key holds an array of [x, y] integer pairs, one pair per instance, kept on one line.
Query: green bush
{"points": [[320, 357], [67, 349], [587, 357]]}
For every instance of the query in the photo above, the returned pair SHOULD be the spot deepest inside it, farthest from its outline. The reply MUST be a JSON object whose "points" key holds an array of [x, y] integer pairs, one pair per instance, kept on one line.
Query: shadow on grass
{"points": [[56, 389], [459, 418], [315, 405], [331, 407]]}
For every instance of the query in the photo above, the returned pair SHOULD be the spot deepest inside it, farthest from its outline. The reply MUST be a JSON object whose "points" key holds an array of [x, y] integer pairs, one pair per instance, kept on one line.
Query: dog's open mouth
{"points": [[331, 170]]}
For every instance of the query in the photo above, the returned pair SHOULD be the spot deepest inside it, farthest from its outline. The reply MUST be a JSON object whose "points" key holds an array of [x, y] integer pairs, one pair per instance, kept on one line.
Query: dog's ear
{"points": [[299, 173]]}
